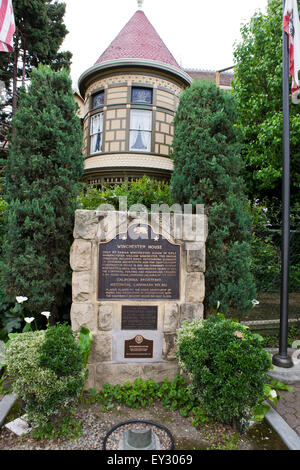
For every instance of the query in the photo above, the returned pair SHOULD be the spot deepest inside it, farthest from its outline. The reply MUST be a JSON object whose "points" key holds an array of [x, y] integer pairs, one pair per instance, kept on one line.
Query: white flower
{"points": [[255, 302], [273, 394], [21, 299], [29, 319], [46, 314]]}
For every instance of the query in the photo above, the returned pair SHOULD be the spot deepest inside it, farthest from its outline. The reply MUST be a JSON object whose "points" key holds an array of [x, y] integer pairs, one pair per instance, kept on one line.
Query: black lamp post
{"points": [[282, 359]]}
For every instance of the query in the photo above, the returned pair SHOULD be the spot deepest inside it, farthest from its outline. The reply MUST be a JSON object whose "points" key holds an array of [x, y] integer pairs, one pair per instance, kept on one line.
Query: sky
{"points": [[200, 34]]}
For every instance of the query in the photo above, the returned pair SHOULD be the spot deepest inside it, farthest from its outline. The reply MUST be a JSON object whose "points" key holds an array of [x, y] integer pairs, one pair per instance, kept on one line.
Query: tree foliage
{"points": [[40, 31], [145, 191], [41, 183], [257, 89], [207, 170]]}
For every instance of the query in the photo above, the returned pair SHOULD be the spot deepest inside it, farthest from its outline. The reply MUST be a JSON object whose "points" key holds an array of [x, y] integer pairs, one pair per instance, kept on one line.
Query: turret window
{"points": [[98, 99], [141, 95], [140, 130], [96, 129]]}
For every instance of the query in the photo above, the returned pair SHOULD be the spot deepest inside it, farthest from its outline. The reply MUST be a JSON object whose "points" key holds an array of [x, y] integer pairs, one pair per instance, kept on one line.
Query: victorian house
{"points": [[127, 103]]}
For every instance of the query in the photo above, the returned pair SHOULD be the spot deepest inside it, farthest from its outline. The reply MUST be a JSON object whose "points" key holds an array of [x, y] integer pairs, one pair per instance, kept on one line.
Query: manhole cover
{"points": [[138, 435]]}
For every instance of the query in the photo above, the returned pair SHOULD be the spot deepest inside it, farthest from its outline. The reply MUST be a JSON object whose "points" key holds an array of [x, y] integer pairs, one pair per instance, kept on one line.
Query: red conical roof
{"points": [[138, 40]]}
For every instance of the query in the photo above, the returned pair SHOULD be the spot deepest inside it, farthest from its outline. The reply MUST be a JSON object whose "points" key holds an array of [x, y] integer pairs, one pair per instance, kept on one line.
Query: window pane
{"points": [[96, 143], [98, 99], [140, 119], [96, 123], [96, 127], [141, 95], [140, 141]]}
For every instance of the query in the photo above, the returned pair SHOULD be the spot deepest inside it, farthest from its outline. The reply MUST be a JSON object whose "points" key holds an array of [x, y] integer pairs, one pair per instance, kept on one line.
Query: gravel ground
{"points": [[96, 425]]}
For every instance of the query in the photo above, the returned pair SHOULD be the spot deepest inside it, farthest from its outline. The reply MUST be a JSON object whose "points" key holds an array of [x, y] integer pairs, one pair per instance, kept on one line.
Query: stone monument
{"points": [[136, 278]]}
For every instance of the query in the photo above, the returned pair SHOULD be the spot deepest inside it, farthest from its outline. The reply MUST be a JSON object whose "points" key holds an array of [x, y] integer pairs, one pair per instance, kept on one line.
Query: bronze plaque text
{"points": [[138, 347], [139, 269], [136, 317]]}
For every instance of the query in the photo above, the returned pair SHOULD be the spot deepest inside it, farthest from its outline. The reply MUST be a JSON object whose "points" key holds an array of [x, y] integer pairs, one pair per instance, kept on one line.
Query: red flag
{"points": [[7, 25], [291, 25]]}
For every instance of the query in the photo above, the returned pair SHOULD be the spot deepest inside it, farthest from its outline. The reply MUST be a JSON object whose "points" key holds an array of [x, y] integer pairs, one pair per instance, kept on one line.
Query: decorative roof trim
{"points": [[133, 62]]}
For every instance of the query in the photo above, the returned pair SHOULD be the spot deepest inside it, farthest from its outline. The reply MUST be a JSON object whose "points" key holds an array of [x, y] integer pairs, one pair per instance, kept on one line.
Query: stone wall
{"points": [[103, 317]]}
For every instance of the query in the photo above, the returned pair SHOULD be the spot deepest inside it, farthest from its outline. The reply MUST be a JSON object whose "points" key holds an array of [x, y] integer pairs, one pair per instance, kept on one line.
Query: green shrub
{"points": [[65, 427], [60, 352], [174, 395], [145, 191], [45, 390], [227, 366]]}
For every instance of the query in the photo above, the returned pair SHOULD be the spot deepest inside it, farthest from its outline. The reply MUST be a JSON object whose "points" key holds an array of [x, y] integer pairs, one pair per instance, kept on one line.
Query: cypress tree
{"points": [[207, 169], [42, 180]]}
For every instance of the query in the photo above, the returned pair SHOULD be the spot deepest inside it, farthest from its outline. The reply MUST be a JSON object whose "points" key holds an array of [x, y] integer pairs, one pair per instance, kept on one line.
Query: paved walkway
{"points": [[289, 407]]}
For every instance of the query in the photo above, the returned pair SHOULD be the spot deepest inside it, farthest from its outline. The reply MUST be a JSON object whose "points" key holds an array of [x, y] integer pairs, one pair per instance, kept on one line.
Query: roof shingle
{"points": [[138, 40]]}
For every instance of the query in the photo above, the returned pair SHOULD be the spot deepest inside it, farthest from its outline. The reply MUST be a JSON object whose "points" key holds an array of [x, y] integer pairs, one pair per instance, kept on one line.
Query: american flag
{"points": [[7, 26], [291, 26]]}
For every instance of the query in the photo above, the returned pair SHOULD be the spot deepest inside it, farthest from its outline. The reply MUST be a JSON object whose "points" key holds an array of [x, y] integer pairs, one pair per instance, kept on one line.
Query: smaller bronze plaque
{"points": [[136, 317], [138, 347]]}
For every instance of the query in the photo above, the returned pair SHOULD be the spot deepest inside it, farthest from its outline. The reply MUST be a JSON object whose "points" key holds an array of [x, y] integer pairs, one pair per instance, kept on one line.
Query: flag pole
{"points": [[282, 359]]}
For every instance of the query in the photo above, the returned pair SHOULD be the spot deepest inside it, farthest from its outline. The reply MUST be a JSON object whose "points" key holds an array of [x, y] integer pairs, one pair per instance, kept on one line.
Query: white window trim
{"points": [[97, 132], [144, 129]]}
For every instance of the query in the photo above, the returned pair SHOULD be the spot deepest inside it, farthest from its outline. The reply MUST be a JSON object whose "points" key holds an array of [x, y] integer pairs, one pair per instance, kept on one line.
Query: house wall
{"points": [[116, 154]]}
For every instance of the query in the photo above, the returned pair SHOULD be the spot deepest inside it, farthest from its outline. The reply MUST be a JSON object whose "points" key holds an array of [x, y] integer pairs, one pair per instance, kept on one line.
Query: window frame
{"points": [[148, 131], [141, 87], [97, 92], [91, 134]]}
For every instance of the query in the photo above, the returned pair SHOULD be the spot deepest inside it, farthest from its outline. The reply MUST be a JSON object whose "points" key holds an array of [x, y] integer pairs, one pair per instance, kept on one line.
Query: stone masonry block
{"points": [[110, 223], [80, 256], [194, 287], [105, 317], [102, 348], [169, 347], [195, 257], [81, 286], [86, 223], [116, 374], [159, 371], [83, 314], [190, 311], [171, 317]]}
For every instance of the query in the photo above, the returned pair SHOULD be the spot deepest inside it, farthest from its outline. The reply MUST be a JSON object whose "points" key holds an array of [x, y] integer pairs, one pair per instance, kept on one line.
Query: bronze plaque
{"points": [[136, 317], [138, 347], [144, 268]]}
